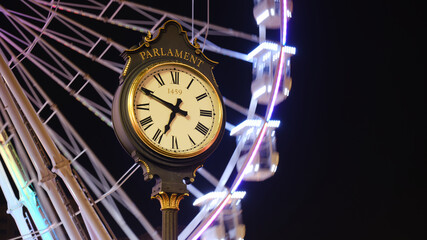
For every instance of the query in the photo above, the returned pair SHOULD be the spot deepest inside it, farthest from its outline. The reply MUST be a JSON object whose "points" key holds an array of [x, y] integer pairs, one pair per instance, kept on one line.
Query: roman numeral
{"points": [[200, 97], [175, 80], [191, 140], [143, 106], [158, 135], [146, 121], [205, 113], [190, 83], [159, 79], [202, 128], [174, 142]]}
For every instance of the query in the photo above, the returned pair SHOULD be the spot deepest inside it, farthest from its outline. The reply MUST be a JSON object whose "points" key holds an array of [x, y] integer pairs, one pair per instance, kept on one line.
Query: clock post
{"points": [[169, 206], [168, 115], [169, 195], [169, 190]]}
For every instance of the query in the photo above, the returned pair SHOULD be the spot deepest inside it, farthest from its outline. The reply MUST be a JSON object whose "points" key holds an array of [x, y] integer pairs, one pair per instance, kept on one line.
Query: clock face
{"points": [[175, 110]]}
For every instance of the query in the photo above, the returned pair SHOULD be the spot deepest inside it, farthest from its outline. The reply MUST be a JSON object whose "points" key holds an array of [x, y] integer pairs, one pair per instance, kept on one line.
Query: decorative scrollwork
{"points": [[147, 171], [147, 38], [197, 46], [129, 59]]}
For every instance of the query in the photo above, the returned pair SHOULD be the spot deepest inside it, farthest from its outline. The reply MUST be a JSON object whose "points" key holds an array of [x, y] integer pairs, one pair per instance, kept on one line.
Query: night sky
{"points": [[353, 136], [352, 139]]}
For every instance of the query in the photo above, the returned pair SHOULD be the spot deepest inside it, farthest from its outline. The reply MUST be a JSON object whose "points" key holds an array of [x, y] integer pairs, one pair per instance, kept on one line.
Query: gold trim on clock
{"points": [[135, 123]]}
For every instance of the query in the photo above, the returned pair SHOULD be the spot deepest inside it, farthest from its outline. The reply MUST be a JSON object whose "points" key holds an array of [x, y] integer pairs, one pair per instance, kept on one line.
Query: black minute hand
{"points": [[166, 104]]}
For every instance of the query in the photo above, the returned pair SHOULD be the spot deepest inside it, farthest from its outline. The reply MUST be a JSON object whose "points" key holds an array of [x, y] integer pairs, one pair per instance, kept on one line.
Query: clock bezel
{"points": [[135, 123]]}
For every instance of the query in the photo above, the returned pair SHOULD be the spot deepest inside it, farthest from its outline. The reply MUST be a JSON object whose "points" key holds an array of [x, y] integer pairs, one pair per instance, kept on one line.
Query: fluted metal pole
{"points": [[169, 224]]}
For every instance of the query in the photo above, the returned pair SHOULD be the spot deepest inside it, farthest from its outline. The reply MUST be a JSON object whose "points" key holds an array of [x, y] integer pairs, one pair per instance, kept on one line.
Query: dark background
{"points": [[352, 139]]}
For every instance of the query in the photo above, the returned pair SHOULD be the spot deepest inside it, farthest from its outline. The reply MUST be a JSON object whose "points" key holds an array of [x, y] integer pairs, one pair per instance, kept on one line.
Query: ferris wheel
{"points": [[60, 60]]}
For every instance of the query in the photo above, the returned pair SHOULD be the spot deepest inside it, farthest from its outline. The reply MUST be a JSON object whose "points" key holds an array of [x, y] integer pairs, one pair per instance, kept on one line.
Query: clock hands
{"points": [[175, 108], [173, 114], [171, 117]]}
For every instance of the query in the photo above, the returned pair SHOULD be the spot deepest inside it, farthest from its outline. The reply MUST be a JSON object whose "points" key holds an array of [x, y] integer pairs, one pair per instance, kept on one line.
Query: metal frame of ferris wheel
{"points": [[34, 34]]}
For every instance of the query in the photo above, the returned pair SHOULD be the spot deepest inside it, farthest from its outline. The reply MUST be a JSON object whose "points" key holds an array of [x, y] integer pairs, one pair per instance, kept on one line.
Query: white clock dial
{"points": [[177, 110]]}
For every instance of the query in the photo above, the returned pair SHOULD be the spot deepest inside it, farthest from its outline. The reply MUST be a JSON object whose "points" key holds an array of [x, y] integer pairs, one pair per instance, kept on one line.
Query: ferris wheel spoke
{"points": [[50, 67], [68, 44], [5, 33], [29, 27], [44, 66], [63, 36], [103, 187], [32, 95], [193, 224], [193, 190], [229, 126], [99, 109], [103, 173], [106, 96], [27, 40], [44, 34], [199, 33], [26, 16], [76, 26], [227, 31], [146, 14], [64, 71], [98, 7], [185, 21], [94, 16], [230, 167], [208, 176], [73, 27], [117, 10], [34, 10], [68, 149], [96, 108], [109, 204], [65, 125]]}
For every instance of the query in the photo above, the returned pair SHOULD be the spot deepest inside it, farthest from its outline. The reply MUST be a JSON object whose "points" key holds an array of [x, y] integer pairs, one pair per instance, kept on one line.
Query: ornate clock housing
{"points": [[168, 108]]}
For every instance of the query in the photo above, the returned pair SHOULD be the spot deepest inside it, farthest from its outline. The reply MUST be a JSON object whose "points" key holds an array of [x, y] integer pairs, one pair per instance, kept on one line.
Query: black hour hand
{"points": [[173, 114], [171, 117]]}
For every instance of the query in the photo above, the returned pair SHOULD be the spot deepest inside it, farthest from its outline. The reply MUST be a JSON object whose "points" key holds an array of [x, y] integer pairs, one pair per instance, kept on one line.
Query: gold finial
{"points": [[196, 44], [167, 202], [148, 37]]}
